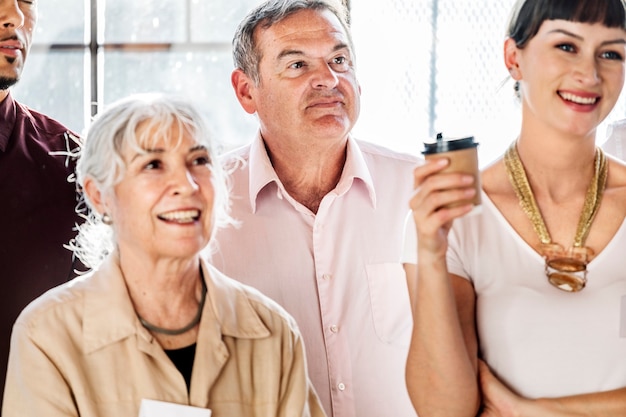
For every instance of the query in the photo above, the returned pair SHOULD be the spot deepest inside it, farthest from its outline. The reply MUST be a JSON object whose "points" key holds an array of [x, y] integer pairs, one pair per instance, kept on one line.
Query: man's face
{"points": [[308, 87], [17, 22]]}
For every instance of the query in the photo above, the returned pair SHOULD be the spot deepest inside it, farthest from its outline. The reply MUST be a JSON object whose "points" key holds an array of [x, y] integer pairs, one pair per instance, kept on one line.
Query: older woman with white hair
{"points": [[153, 325]]}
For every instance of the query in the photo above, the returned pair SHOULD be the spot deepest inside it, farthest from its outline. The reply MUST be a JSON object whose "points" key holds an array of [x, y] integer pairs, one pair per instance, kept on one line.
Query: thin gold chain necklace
{"points": [[565, 269]]}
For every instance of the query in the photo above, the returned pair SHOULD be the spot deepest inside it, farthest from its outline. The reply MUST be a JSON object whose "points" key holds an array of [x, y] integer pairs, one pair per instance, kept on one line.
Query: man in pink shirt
{"points": [[321, 213]]}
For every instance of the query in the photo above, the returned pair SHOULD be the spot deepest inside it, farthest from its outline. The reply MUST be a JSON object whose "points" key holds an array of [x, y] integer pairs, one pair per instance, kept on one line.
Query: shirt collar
{"points": [[109, 313], [356, 168], [231, 307], [261, 173], [111, 317], [7, 116]]}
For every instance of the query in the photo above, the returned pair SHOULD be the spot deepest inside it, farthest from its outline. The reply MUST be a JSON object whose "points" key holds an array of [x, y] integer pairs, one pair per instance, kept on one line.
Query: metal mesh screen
{"points": [[424, 66], [427, 66]]}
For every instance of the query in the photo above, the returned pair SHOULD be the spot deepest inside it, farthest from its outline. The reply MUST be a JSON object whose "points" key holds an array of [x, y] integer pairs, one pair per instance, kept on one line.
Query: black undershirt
{"points": [[183, 360]]}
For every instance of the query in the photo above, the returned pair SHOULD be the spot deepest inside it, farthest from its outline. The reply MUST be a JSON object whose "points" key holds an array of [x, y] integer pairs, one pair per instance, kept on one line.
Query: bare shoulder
{"points": [[617, 173], [616, 184], [495, 182], [612, 211], [497, 186]]}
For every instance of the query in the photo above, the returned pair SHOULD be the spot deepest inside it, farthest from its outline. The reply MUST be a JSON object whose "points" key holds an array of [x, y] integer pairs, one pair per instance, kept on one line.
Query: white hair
{"points": [[101, 159]]}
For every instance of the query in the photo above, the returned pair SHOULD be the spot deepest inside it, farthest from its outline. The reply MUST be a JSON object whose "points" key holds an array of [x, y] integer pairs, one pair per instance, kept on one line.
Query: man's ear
{"points": [[243, 86], [511, 59], [95, 196]]}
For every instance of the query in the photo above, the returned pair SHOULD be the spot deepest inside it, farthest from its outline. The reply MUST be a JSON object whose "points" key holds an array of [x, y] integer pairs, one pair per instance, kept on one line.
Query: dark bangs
{"points": [[528, 15]]}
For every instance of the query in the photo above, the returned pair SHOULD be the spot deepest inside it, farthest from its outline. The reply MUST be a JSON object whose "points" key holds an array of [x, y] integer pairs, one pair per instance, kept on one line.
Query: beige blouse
{"points": [[79, 350]]}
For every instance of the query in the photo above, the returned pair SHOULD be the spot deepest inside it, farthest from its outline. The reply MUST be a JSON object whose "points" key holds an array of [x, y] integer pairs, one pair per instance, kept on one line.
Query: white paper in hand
{"points": [[152, 408]]}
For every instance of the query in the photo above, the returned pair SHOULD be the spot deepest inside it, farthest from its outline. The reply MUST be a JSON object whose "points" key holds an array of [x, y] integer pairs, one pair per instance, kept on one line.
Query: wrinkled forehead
{"points": [[305, 25]]}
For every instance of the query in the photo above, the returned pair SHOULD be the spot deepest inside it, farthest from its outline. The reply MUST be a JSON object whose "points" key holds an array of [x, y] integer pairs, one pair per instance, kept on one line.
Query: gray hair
{"points": [[246, 54], [116, 129]]}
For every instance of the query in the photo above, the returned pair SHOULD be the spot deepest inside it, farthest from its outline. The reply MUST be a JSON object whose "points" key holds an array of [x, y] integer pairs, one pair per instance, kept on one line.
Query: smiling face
{"points": [[163, 205], [570, 74], [308, 87], [17, 22]]}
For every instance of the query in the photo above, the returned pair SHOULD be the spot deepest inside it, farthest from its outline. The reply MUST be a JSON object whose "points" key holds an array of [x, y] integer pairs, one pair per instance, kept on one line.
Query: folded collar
{"points": [[261, 172], [7, 118], [111, 317]]}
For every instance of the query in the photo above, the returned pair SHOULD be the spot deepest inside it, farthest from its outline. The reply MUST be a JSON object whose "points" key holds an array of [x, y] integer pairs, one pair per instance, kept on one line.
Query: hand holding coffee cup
{"points": [[463, 156]]}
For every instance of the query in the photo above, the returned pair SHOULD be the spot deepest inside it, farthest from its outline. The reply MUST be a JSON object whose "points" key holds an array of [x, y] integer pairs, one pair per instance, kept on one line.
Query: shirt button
{"points": [[341, 386], [326, 277], [334, 328]]}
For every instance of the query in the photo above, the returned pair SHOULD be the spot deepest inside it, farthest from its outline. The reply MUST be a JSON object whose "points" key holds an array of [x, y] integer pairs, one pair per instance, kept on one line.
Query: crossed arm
{"points": [[444, 375]]}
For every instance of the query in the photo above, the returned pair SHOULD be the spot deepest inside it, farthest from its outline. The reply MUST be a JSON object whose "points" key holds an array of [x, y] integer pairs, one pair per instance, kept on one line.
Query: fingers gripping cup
{"points": [[463, 156]]}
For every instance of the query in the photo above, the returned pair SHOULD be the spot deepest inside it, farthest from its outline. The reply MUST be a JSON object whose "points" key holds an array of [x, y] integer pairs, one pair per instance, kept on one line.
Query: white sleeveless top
{"points": [[539, 340]]}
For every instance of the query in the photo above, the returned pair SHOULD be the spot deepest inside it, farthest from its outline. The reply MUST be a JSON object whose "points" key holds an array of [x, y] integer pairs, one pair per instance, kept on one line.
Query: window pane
{"points": [[394, 69], [60, 21], [144, 21], [203, 76], [437, 65], [53, 83], [216, 21], [471, 96]]}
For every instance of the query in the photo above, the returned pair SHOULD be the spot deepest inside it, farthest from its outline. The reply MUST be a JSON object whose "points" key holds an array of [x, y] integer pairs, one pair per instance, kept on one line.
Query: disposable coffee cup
{"points": [[463, 156]]}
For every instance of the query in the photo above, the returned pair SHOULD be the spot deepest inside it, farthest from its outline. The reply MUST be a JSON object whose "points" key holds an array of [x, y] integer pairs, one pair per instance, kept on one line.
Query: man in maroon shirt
{"points": [[37, 202]]}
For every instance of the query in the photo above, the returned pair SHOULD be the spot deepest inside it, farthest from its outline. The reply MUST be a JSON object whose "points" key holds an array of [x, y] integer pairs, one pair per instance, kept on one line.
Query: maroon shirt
{"points": [[37, 212]]}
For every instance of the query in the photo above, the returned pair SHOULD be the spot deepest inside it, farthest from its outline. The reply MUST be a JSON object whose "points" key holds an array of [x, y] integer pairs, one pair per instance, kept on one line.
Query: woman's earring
{"points": [[106, 219]]}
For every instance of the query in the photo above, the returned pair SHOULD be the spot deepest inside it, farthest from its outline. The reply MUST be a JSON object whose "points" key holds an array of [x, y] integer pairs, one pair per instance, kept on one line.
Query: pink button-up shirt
{"points": [[338, 272]]}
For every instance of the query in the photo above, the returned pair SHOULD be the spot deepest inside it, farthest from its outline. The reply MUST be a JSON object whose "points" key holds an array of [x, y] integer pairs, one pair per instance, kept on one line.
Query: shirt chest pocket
{"points": [[391, 309]]}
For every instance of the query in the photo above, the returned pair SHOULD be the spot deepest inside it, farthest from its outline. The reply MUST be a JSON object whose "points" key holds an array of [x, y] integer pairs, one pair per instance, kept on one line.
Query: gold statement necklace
{"points": [[565, 269]]}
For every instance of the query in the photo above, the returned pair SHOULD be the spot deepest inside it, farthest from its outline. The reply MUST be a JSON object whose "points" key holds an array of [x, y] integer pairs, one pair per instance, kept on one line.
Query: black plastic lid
{"points": [[447, 145]]}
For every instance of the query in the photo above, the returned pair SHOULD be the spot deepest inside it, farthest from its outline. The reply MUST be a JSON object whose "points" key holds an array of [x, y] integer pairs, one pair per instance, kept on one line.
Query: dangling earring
{"points": [[516, 86], [106, 219]]}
